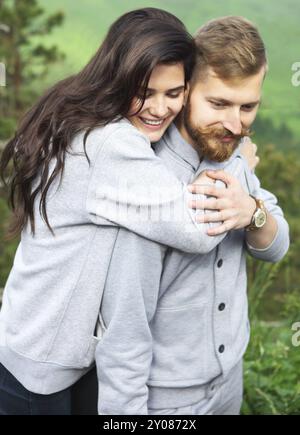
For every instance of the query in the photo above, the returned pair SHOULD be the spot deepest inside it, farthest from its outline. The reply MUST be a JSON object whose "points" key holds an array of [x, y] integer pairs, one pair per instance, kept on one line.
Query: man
{"points": [[176, 325]]}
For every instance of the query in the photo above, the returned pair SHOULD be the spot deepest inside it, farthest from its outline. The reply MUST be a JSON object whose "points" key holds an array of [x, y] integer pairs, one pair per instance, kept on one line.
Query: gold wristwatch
{"points": [[259, 218]]}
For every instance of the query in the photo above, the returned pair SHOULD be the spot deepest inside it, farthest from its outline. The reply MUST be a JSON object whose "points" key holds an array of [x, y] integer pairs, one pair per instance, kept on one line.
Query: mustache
{"points": [[223, 132]]}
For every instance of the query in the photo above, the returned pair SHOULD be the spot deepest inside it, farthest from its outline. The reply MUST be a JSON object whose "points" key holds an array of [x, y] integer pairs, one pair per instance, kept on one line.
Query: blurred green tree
{"points": [[278, 173], [7, 250], [267, 132], [25, 56]]}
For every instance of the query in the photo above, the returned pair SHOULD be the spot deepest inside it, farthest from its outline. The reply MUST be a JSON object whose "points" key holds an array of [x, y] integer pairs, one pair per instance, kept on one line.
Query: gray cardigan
{"points": [[175, 321]]}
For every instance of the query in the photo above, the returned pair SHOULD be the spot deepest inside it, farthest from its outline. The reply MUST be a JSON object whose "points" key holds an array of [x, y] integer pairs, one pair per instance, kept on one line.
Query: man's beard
{"points": [[208, 141]]}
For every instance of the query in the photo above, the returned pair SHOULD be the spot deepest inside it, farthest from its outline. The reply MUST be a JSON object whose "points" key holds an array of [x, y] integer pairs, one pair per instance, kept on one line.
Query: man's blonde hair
{"points": [[231, 46]]}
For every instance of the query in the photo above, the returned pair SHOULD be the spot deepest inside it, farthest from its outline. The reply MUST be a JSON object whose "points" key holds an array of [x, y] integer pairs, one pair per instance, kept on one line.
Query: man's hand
{"points": [[249, 151], [235, 206]]}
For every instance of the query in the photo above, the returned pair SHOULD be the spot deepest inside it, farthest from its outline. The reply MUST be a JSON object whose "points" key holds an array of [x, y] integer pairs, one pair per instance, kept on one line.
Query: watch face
{"points": [[260, 219]]}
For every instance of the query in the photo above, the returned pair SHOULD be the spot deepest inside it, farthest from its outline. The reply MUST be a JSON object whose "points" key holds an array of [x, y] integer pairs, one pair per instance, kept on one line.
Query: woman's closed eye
{"points": [[174, 95]]}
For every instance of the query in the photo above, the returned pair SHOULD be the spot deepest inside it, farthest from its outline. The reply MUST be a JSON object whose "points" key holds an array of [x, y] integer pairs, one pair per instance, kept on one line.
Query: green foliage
{"points": [[271, 367], [7, 127], [291, 308], [267, 132], [271, 371], [261, 278], [25, 59], [271, 364], [278, 173], [7, 249]]}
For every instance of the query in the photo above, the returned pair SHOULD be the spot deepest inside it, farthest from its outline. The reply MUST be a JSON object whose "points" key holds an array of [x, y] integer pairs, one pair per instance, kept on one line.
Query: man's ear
{"points": [[186, 93]]}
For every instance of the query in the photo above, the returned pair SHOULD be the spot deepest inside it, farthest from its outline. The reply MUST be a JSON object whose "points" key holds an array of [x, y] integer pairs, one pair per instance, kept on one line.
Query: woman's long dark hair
{"points": [[101, 93]]}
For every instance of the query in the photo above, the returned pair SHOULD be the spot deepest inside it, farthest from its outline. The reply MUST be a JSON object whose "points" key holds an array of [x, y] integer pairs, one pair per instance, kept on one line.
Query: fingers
{"points": [[246, 141], [204, 179], [248, 148], [210, 204], [220, 216], [228, 179], [222, 229], [207, 190], [253, 147], [254, 163]]}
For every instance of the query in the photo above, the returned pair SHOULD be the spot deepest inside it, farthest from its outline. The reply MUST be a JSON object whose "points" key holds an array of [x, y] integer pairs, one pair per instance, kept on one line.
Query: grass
{"points": [[271, 377]]}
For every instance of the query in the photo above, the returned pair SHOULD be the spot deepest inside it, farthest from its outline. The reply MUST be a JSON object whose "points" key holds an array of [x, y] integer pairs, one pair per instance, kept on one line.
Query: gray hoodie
{"points": [[52, 297]]}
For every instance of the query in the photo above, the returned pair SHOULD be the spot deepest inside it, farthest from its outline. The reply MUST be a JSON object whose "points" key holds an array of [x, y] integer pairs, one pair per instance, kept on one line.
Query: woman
{"points": [[84, 126], [86, 146]]}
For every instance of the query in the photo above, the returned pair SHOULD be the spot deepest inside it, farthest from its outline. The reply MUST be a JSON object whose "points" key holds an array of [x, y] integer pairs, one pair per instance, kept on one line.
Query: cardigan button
{"points": [[220, 263]]}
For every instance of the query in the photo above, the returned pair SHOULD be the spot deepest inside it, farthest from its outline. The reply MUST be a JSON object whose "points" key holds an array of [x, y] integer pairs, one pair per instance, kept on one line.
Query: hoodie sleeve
{"points": [[132, 188], [281, 243], [124, 354]]}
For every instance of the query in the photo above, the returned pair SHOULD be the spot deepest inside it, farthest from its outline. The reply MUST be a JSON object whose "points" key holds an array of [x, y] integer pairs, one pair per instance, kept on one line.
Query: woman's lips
{"points": [[153, 127]]}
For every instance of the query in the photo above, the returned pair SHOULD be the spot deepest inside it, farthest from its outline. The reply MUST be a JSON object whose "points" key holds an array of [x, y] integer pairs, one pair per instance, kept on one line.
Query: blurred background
{"points": [[42, 42]]}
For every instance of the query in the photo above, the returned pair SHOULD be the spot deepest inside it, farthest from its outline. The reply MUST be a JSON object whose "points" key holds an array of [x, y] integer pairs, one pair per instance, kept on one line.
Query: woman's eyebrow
{"points": [[179, 88]]}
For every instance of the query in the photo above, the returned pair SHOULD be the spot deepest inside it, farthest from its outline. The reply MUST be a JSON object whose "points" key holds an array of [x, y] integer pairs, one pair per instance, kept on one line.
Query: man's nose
{"points": [[233, 123]]}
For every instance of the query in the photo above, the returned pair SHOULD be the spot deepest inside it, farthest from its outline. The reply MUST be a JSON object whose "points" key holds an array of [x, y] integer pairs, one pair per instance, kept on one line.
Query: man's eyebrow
{"points": [[254, 103], [229, 103], [179, 88]]}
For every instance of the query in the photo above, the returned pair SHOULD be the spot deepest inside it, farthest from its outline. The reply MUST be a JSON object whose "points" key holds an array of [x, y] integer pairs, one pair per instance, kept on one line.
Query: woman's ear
{"points": [[186, 93]]}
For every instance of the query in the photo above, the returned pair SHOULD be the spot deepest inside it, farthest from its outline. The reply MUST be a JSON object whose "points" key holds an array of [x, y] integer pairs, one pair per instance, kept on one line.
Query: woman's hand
{"points": [[235, 207], [204, 179], [249, 150]]}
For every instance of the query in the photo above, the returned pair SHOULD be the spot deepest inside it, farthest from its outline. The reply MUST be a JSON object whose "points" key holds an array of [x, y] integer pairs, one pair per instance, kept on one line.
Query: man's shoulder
{"points": [[121, 127]]}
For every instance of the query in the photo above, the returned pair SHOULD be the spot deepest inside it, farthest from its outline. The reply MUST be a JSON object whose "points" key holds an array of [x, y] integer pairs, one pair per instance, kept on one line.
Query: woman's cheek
{"points": [[178, 106], [135, 107]]}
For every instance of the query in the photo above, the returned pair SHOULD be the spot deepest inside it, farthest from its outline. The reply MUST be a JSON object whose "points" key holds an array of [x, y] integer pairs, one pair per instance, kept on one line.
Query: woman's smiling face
{"points": [[165, 97]]}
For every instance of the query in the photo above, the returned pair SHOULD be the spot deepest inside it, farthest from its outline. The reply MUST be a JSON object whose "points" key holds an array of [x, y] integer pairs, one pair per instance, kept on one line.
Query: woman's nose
{"points": [[159, 108]]}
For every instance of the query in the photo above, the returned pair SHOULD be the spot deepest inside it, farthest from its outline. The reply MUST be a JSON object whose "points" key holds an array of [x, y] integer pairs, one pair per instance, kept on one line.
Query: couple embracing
{"points": [[134, 191]]}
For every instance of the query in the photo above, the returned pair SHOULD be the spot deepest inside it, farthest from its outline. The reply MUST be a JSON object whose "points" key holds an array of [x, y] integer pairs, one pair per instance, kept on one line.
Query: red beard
{"points": [[208, 141]]}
